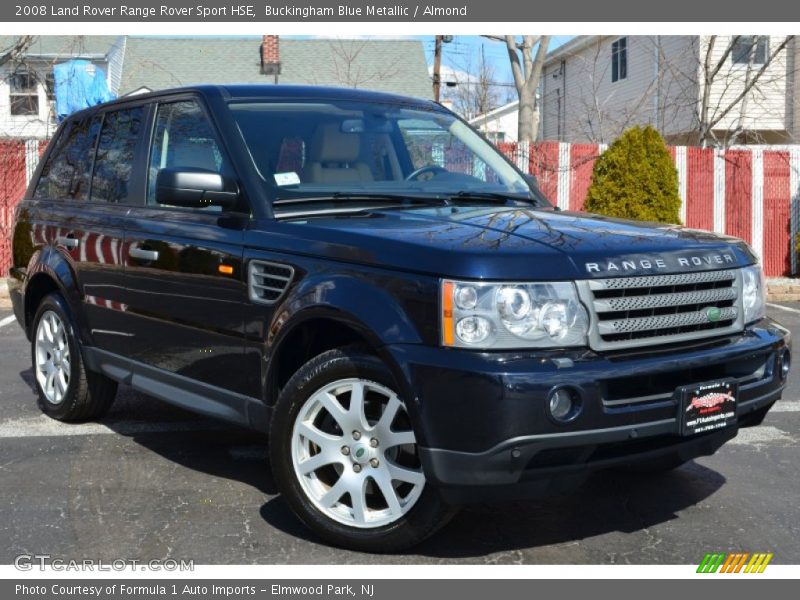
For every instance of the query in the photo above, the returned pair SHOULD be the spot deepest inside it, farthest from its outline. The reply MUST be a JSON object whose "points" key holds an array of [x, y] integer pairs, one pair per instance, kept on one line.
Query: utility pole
{"points": [[437, 64], [437, 67]]}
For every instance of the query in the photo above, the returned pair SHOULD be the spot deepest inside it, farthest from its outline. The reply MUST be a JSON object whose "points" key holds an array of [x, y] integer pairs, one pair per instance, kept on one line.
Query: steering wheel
{"points": [[434, 169]]}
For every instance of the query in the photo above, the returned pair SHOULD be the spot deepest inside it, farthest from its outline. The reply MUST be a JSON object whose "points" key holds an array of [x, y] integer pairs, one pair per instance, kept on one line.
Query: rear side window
{"points": [[183, 139], [115, 155], [67, 172]]}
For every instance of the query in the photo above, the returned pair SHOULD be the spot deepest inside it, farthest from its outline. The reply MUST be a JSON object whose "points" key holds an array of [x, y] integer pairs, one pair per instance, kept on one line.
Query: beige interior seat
{"points": [[334, 157]]}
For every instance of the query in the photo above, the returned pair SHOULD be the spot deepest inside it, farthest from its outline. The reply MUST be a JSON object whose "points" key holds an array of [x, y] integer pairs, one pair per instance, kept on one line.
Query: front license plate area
{"points": [[707, 406]]}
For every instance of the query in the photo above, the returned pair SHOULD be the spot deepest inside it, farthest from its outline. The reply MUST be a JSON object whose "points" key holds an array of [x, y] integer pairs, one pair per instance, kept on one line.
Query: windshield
{"points": [[361, 148]]}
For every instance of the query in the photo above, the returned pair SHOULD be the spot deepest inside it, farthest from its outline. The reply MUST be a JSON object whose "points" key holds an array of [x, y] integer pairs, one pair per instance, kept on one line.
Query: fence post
{"points": [[564, 175], [523, 156], [31, 158], [719, 191], [757, 197], [794, 199], [680, 166]]}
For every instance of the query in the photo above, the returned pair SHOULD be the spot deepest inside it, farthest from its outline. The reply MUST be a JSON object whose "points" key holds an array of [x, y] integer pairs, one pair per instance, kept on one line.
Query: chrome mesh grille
{"points": [[629, 312]]}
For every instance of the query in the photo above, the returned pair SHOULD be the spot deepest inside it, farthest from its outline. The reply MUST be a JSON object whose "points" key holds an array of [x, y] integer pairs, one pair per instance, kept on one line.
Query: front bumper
{"points": [[482, 421]]}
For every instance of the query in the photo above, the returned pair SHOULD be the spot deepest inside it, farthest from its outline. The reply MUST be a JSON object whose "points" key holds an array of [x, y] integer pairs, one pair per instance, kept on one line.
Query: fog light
{"points": [[563, 404], [786, 364]]}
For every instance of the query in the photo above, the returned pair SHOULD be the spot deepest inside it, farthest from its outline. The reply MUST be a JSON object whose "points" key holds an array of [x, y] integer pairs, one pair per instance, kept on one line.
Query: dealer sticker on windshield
{"points": [[288, 178], [707, 406]]}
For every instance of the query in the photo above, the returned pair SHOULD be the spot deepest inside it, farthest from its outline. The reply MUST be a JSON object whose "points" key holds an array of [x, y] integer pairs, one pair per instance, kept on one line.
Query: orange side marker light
{"points": [[448, 331]]}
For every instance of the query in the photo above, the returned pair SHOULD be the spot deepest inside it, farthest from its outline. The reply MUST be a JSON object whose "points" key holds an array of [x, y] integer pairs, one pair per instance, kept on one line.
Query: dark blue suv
{"points": [[367, 281]]}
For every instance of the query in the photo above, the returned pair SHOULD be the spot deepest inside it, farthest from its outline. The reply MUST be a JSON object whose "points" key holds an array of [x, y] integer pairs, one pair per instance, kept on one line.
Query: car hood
{"points": [[505, 243]]}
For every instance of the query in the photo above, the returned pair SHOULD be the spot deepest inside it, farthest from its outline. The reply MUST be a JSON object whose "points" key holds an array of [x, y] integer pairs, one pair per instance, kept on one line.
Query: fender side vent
{"points": [[267, 281]]}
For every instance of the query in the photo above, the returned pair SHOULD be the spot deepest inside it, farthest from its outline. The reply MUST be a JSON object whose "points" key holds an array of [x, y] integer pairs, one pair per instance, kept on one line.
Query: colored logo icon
{"points": [[737, 562]]}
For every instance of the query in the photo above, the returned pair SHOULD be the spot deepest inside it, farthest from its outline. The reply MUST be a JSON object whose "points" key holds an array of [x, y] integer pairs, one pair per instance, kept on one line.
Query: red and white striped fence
{"points": [[751, 192]]}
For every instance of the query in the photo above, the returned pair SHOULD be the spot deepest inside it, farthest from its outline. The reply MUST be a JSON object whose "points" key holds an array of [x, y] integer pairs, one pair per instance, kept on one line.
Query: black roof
{"points": [[269, 91]]}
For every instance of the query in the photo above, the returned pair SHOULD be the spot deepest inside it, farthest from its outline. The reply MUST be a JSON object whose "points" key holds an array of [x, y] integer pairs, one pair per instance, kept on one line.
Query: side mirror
{"points": [[195, 188]]}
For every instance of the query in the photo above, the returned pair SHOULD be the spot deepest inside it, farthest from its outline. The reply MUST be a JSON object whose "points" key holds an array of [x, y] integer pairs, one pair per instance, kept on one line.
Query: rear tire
{"points": [[67, 391], [363, 487]]}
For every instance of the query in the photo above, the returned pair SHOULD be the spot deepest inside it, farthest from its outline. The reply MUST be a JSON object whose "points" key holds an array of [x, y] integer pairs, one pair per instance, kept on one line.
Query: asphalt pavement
{"points": [[150, 481]]}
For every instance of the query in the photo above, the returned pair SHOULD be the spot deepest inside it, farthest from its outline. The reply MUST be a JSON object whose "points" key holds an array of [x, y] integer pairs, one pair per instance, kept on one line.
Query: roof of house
{"points": [[155, 63], [66, 45], [500, 110], [384, 65]]}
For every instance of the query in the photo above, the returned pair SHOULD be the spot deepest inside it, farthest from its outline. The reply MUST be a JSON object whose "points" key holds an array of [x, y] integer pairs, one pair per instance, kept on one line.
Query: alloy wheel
{"points": [[52, 357], [355, 454]]}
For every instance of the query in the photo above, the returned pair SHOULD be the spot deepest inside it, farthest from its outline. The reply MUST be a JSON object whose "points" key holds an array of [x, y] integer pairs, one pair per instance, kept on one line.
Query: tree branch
{"points": [[749, 85]]}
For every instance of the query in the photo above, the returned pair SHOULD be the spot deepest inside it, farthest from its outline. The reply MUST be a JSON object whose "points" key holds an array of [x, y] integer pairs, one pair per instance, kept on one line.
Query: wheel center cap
{"points": [[57, 357], [361, 452]]}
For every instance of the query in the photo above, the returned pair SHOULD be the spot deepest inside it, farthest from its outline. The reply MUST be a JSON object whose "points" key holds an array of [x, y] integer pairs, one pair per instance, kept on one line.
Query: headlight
{"points": [[753, 293], [512, 315]]}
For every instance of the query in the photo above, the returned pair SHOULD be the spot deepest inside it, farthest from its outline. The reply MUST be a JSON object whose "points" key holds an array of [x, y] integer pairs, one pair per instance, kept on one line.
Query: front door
{"points": [[186, 288]]}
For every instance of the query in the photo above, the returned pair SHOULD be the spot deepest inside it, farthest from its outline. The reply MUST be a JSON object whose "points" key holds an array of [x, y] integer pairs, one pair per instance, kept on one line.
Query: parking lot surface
{"points": [[151, 481]]}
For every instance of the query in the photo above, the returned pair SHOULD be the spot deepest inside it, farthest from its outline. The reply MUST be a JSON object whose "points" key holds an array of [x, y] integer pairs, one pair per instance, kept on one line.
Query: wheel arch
{"points": [[50, 273], [316, 330]]}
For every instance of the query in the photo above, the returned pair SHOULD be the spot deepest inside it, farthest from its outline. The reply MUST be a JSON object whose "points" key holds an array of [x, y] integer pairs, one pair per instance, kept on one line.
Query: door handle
{"points": [[141, 254], [68, 241]]}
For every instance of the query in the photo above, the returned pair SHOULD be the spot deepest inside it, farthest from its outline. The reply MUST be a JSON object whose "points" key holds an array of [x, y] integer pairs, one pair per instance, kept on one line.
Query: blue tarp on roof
{"points": [[79, 84]]}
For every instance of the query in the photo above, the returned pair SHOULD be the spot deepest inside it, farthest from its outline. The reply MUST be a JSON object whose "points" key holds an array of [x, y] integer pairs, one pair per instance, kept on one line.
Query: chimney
{"points": [[270, 56]]}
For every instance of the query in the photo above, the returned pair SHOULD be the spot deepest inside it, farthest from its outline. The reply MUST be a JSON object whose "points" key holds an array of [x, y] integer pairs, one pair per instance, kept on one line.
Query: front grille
{"points": [[267, 281], [629, 312]]}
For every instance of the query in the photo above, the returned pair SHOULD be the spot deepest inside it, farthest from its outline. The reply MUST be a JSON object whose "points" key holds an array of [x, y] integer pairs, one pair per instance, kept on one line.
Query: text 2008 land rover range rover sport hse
{"points": [[366, 280]]}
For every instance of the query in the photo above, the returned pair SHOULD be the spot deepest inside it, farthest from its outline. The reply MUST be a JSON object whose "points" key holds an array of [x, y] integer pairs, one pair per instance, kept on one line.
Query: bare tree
{"points": [[725, 91], [602, 114], [527, 70], [475, 90], [707, 90], [351, 70], [17, 49], [22, 66]]}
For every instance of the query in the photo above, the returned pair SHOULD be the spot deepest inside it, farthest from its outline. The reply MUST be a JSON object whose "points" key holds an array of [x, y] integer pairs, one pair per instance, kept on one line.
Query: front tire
{"points": [[344, 456], [67, 391]]}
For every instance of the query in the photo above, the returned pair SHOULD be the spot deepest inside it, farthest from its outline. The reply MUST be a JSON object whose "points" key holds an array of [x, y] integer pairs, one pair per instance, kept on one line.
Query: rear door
{"points": [[86, 221], [186, 288]]}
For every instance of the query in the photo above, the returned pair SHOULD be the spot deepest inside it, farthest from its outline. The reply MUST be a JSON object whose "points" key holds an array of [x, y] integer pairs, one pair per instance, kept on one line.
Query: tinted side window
{"points": [[183, 139], [115, 155], [67, 171]]}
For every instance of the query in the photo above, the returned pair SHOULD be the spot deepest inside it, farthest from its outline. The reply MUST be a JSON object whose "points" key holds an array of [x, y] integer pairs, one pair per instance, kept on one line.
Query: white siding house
{"points": [[594, 87], [500, 124], [27, 100]]}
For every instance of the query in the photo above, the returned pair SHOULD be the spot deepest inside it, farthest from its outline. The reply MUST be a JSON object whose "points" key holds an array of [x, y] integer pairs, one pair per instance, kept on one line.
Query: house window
{"points": [[619, 59], [50, 86], [23, 94], [750, 47]]}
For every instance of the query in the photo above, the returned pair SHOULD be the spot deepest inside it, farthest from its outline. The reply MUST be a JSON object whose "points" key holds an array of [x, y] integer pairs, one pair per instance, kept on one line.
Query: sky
{"points": [[464, 51]]}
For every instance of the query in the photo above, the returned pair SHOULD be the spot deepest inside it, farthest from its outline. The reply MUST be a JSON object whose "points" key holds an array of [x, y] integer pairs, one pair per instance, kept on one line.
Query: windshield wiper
{"points": [[400, 199], [500, 196]]}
